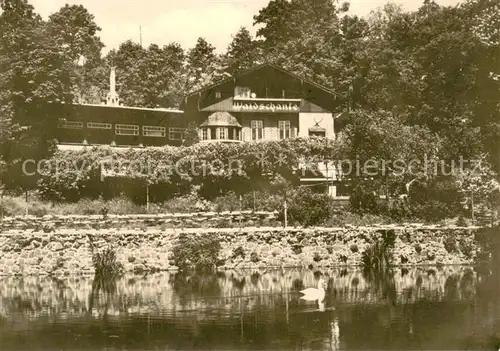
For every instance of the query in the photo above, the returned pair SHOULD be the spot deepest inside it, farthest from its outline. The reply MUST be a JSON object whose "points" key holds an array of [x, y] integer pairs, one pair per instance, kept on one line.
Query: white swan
{"points": [[311, 294]]}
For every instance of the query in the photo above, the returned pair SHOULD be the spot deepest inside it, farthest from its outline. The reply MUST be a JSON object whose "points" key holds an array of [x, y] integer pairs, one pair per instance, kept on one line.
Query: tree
{"points": [[314, 39], [165, 75], [484, 23], [203, 66], [242, 53], [130, 72], [388, 153], [35, 77], [152, 77], [485, 20], [430, 68], [34, 72], [75, 32], [477, 181], [191, 136]]}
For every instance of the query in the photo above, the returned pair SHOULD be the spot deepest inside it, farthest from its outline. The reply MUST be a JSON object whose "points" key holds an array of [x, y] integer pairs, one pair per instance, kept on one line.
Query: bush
{"points": [[121, 205], [254, 257], [197, 252], [450, 243], [418, 248], [67, 184], [466, 247], [38, 209], [12, 206], [389, 238], [377, 257], [228, 202], [16, 206], [186, 204], [238, 252], [308, 209], [106, 264], [297, 249], [364, 199], [354, 248], [399, 209], [436, 200]]}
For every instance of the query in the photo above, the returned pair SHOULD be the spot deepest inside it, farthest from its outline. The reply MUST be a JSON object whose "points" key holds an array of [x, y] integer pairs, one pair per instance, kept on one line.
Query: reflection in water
{"points": [[103, 289], [438, 308]]}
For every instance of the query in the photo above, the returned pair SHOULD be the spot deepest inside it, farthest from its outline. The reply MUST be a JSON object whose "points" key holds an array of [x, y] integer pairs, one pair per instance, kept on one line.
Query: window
{"points": [[222, 133], [204, 134], [284, 129], [236, 134], [154, 131], [175, 133], [317, 133], [126, 129], [95, 125], [70, 124], [257, 129], [283, 93], [218, 95], [242, 92]]}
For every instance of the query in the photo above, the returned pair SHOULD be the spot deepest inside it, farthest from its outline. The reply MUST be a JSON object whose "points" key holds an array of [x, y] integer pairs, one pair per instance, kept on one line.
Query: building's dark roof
{"points": [[321, 87], [221, 119]]}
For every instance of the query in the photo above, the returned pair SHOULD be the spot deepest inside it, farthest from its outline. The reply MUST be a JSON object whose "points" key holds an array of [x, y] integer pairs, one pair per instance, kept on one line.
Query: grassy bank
{"points": [[339, 216]]}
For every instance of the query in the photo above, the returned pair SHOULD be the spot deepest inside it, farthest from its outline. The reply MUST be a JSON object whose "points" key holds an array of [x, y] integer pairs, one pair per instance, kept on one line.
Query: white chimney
{"points": [[112, 98]]}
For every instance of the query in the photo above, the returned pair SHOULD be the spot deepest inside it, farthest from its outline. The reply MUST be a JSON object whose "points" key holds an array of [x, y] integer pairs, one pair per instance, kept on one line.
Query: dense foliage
{"points": [[214, 169], [422, 84], [307, 208], [106, 265], [196, 252], [378, 256], [252, 176]]}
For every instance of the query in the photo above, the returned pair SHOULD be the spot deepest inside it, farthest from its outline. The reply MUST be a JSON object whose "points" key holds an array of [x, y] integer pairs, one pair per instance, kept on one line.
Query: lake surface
{"points": [[445, 308]]}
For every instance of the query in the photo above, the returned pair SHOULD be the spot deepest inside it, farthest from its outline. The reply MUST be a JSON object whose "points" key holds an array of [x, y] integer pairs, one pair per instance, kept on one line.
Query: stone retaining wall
{"points": [[66, 251], [49, 223]]}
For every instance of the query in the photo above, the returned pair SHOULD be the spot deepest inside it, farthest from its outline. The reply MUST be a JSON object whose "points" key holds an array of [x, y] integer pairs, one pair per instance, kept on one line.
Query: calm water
{"points": [[446, 308]]}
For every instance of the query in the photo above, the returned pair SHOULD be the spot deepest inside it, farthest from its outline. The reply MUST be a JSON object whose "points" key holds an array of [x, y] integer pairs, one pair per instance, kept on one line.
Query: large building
{"points": [[111, 123], [264, 103]]}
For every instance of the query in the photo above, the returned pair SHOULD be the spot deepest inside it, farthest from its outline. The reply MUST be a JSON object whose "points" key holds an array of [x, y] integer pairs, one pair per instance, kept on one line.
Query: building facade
{"points": [[113, 124], [119, 126], [264, 103]]}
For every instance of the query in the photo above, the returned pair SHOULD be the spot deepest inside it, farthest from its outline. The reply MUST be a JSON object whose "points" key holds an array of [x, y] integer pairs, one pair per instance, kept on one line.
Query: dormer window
{"points": [[218, 95], [242, 92]]}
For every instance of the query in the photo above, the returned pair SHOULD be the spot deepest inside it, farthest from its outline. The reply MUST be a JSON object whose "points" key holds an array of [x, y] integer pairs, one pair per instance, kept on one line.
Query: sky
{"points": [[183, 21]]}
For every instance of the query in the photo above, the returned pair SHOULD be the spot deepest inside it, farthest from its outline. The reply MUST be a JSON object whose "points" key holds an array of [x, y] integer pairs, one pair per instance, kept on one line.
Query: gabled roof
{"points": [[221, 119], [261, 66]]}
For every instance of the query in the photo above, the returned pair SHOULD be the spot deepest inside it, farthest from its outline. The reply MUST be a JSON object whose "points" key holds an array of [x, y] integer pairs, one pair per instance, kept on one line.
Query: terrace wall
{"points": [[28, 247]]}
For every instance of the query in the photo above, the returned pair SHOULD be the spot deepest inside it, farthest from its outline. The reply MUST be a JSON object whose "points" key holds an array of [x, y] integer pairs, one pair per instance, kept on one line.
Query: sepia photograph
{"points": [[252, 175]]}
